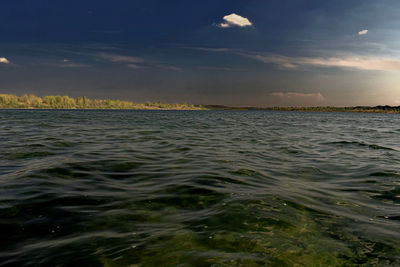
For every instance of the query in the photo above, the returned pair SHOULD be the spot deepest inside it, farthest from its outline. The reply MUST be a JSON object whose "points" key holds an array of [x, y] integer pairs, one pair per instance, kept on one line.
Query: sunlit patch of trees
{"points": [[66, 102]]}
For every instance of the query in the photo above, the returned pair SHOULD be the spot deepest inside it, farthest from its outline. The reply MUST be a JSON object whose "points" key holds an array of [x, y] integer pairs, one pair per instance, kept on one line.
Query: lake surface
{"points": [[199, 188]]}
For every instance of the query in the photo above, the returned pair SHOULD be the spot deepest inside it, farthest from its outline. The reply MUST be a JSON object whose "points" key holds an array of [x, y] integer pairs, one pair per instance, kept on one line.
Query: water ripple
{"points": [[199, 188]]}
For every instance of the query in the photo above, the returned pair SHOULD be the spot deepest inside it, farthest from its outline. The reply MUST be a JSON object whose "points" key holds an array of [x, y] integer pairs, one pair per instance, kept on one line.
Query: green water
{"points": [[199, 188]]}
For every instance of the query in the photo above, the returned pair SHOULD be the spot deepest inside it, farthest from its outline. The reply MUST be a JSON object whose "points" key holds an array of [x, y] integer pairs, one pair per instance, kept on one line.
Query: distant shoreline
{"points": [[391, 110], [205, 108], [32, 102], [363, 109]]}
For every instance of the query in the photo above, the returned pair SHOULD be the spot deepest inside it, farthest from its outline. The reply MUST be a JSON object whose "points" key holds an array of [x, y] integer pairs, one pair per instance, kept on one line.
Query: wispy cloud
{"points": [[168, 67], [136, 62], [129, 61], [135, 66], [235, 20], [212, 68], [297, 99], [345, 61], [120, 58], [4, 60], [210, 49], [72, 65], [363, 32], [64, 63], [282, 61]]}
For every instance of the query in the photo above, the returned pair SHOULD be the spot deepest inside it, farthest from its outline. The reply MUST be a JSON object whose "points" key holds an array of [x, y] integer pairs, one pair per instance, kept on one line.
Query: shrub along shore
{"points": [[9, 101]]}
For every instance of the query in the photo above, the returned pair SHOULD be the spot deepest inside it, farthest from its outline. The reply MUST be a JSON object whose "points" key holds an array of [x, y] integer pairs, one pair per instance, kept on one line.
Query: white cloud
{"points": [[4, 60], [297, 99], [120, 58], [363, 32], [235, 20]]}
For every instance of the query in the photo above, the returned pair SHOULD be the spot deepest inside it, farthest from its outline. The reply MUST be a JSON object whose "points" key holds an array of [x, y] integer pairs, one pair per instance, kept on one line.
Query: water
{"points": [[199, 188]]}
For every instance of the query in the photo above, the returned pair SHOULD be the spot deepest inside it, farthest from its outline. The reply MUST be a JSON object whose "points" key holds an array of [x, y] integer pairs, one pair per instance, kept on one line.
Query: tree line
{"points": [[66, 102]]}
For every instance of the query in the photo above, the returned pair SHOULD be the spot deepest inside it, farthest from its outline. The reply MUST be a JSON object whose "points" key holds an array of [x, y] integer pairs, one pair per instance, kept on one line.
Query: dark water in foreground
{"points": [[199, 188]]}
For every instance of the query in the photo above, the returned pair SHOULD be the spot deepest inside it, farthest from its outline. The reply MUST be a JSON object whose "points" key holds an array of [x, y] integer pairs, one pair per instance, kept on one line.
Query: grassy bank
{"points": [[65, 102]]}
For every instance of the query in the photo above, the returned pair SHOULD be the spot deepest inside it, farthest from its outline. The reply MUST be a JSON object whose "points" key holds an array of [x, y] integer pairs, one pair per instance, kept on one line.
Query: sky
{"points": [[240, 53]]}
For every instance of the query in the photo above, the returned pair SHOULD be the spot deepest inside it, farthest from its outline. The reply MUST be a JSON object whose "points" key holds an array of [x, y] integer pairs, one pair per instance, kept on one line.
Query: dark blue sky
{"points": [[287, 52]]}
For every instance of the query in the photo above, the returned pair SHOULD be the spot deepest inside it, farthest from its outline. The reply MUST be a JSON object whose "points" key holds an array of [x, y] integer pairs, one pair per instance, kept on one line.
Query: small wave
{"points": [[391, 195], [181, 149], [391, 217], [386, 174], [126, 166], [187, 197], [24, 155], [36, 145], [62, 144], [149, 132], [246, 172], [355, 143], [216, 180]]}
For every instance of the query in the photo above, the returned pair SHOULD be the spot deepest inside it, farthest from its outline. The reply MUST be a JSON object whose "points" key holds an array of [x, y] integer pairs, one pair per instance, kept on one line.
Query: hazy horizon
{"points": [[235, 53]]}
